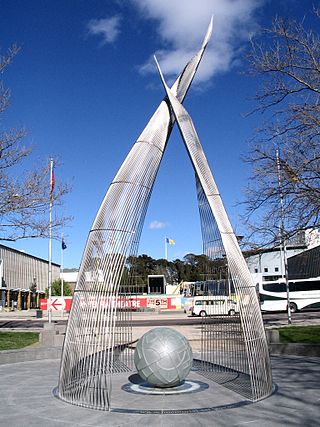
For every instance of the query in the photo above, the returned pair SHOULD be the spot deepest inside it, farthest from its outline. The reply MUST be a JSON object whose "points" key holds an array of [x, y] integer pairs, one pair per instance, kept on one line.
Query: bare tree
{"points": [[286, 58], [24, 198]]}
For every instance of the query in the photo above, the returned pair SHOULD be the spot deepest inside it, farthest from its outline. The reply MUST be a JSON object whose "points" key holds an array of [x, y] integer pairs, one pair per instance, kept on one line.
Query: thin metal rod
{"points": [[62, 281], [50, 244], [282, 237], [165, 249]]}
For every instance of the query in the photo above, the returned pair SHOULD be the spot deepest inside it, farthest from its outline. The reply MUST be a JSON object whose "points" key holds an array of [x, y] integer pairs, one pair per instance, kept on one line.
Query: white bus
{"points": [[213, 306], [303, 293]]}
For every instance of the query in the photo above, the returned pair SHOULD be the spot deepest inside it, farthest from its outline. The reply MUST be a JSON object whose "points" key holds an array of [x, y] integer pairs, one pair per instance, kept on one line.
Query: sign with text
{"points": [[160, 302], [130, 301]]}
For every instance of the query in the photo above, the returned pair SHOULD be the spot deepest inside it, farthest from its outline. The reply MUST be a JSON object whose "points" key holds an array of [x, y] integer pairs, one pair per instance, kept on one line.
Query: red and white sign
{"points": [[135, 302], [58, 304], [157, 302]]}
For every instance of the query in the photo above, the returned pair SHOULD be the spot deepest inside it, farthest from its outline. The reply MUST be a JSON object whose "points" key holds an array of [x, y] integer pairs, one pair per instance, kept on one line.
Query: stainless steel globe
{"points": [[163, 357]]}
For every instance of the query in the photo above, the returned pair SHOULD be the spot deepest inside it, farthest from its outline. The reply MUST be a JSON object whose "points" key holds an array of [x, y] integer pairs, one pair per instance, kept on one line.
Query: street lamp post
{"points": [[282, 238]]}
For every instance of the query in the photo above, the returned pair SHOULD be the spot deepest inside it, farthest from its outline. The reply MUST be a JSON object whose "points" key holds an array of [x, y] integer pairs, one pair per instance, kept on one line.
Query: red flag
{"points": [[52, 179]]}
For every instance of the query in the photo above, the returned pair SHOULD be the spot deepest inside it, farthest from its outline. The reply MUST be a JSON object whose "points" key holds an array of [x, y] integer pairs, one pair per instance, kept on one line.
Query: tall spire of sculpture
{"points": [[97, 335], [252, 325]]}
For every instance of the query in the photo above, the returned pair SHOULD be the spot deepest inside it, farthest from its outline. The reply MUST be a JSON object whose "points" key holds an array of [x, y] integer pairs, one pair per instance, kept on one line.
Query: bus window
{"points": [[274, 287], [304, 286]]}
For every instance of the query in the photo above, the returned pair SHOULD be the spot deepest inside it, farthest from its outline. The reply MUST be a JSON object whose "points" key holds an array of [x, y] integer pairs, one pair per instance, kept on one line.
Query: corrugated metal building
{"points": [[305, 265], [20, 270]]}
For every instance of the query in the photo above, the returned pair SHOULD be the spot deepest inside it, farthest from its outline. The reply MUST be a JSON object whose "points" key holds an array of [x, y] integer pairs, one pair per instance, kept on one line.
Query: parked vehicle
{"points": [[213, 306], [303, 294]]}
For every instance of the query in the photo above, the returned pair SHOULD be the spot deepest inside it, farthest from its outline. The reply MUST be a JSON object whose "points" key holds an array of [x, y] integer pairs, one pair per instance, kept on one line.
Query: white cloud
{"points": [[182, 24], [157, 225], [108, 28]]}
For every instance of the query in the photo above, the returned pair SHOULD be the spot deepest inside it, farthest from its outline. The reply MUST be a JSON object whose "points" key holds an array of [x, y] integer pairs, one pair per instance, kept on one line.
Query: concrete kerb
{"points": [[52, 335], [297, 349], [29, 354]]}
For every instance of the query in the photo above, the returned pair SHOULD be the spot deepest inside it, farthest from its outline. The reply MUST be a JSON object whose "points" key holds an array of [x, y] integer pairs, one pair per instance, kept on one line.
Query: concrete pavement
{"points": [[27, 401]]}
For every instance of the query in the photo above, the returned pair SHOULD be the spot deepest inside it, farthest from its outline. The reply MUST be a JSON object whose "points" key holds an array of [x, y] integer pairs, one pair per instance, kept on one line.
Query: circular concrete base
{"points": [[130, 394]]}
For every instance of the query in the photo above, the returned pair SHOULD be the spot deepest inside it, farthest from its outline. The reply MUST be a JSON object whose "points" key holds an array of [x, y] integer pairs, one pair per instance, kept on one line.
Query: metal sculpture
{"points": [[256, 349], [99, 331], [97, 336]]}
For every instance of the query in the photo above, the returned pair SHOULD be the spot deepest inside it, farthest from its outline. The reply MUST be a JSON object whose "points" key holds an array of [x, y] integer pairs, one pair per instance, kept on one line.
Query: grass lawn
{"points": [[300, 334], [13, 340]]}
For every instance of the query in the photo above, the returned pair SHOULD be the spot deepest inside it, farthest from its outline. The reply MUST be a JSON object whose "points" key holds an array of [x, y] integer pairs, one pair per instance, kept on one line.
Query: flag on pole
{"points": [[51, 177], [63, 244], [170, 241]]}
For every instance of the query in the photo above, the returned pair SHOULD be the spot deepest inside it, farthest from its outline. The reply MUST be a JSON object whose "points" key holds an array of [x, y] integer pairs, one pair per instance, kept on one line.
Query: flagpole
{"points": [[62, 290], [50, 245], [165, 249]]}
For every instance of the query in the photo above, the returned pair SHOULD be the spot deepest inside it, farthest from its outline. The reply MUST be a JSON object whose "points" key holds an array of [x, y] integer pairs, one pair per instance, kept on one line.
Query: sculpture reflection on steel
{"points": [[99, 333]]}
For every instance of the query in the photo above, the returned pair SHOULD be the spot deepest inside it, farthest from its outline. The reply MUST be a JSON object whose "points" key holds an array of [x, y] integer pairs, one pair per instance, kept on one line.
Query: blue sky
{"points": [[84, 85]]}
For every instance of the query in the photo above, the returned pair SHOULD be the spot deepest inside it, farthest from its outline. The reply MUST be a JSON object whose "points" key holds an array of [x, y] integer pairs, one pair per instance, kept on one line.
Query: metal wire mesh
{"points": [[247, 351], [223, 352], [99, 332]]}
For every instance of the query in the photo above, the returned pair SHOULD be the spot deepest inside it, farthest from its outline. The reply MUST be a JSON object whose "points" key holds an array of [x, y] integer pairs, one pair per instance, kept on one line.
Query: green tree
{"points": [[56, 289], [179, 267], [192, 268]]}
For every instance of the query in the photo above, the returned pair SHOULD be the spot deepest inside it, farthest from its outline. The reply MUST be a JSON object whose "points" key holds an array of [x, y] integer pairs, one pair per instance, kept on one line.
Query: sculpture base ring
{"points": [[186, 387]]}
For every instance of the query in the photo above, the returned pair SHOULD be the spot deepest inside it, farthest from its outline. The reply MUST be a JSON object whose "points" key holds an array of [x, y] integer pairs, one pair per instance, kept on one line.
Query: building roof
{"points": [[252, 252], [7, 248]]}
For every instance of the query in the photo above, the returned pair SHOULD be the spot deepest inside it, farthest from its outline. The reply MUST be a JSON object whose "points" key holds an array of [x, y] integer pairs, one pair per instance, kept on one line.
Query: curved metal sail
{"points": [[97, 332], [257, 363]]}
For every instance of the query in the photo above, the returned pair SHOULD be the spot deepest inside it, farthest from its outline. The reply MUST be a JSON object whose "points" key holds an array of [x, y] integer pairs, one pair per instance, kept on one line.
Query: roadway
{"points": [[22, 320]]}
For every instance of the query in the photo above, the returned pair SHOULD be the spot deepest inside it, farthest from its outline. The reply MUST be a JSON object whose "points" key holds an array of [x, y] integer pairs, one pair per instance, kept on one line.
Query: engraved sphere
{"points": [[163, 357]]}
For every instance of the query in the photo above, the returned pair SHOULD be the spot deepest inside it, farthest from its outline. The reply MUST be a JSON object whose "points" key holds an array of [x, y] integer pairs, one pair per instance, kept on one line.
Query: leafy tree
{"points": [[24, 196], [179, 267], [142, 265], [286, 59], [56, 289], [192, 268]]}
